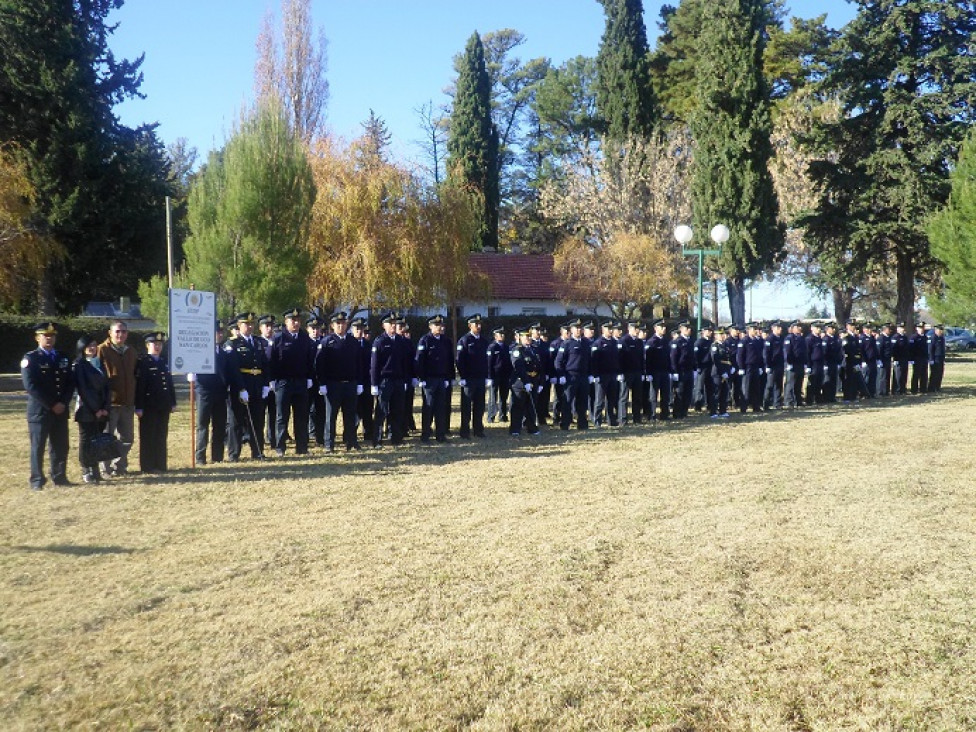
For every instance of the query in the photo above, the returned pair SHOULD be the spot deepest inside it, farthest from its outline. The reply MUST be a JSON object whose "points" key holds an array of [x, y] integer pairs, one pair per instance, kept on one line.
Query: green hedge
{"points": [[17, 336]]}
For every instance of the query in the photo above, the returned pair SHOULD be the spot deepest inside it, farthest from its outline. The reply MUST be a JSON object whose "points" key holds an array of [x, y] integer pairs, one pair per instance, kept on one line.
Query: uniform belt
{"points": [[253, 372]]}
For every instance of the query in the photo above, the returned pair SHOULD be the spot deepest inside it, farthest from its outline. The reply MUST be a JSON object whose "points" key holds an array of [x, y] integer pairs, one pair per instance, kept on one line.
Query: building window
{"points": [[494, 311], [533, 311]]}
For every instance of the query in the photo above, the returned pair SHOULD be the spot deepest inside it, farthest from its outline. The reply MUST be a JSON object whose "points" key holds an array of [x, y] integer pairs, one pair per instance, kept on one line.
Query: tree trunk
{"points": [[735, 286], [906, 286], [714, 294], [843, 303]]}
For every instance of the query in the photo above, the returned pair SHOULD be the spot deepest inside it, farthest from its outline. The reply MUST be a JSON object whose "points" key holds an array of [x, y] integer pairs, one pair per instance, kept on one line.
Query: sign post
{"points": [[192, 341]]}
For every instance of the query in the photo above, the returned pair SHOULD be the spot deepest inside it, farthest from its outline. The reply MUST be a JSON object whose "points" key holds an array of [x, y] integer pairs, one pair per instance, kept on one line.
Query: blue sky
{"points": [[391, 56]]}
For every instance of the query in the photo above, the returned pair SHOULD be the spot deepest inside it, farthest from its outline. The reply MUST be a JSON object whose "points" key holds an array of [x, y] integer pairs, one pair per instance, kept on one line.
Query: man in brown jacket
{"points": [[119, 362]]}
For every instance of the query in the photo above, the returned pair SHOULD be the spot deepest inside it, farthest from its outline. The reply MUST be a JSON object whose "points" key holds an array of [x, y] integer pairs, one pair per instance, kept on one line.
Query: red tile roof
{"points": [[517, 276]]}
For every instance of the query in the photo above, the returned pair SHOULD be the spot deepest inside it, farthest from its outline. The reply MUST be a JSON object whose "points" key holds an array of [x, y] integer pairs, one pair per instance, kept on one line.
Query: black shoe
{"points": [[62, 482]]}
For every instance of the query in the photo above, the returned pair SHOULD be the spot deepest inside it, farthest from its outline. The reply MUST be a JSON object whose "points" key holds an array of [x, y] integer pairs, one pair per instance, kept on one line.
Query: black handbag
{"points": [[104, 447]]}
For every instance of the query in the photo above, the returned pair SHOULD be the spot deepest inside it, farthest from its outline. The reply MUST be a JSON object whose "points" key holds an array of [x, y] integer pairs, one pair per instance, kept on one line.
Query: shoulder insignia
{"points": [[25, 363], [460, 347], [515, 353]]}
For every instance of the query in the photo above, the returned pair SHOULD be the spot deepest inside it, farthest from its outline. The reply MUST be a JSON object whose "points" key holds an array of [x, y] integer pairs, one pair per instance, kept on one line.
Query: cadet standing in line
{"points": [[750, 362], [900, 358], [573, 360], [657, 361], [336, 372], [605, 367], [632, 367], [870, 358], [246, 358], [937, 357], [526, 381], [682, 369], [816, 363], [364, 402], [409, 373], [212, 392], [46, 374], [291, 367], [918, 353], [833, 358], [720, 372], [472, 371], [434, 364], [266, 325], [155, 401], [388, 382], [553, 376], [884, 353], [774, 363], [703, 394], [316, 399], [499, 373], [795, 363]]}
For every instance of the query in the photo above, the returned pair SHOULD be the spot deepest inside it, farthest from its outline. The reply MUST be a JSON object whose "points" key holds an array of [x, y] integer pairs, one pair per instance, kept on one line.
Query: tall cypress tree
{"points": [[473, 142], [731, 182], [625, 97], [904, 71]]}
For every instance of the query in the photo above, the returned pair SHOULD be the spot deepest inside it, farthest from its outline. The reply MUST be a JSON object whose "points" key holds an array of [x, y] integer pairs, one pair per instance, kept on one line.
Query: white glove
{"points": [[539, 388], [826, 369], [553, 380], [789, 367], [374, 390], [742, 372], [191, 377], [562, 380], [650, 379], [880, 364], [857, 367], [762, 372], [243, 395], [463, 382], [620, 378], [447, 383], [591, 379], [911, 363], [725, 377], [359, 389], [808, 370], [323, 390], [697, 373], [931, 363], [414, 383], [488, 382], [265, 391], [864, 364], [674, 377], [421, 384], [308, 383]]}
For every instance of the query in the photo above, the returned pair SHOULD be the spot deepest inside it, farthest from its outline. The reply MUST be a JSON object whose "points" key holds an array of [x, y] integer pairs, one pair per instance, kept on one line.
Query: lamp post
{"points": [[683, 234]]}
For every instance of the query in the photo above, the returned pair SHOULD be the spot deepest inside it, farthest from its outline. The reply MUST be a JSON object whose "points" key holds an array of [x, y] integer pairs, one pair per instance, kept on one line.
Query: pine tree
{"points": [[99, 185], [952, 232], [731, 182], [625, 98], [473, 142], [904, 72]]}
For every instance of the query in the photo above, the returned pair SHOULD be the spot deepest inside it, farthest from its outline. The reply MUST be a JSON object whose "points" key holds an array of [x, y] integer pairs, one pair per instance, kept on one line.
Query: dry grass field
{"points": [[808, 571]]}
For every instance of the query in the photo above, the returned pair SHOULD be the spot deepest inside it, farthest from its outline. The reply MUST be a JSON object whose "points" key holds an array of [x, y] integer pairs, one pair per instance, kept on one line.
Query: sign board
{"points": [[192, 343]]}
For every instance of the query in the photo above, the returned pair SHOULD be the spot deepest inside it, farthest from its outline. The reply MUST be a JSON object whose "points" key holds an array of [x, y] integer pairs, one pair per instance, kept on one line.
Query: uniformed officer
{"points": [[631, 349], [885, 344], [434, 368], [871, 358], [499, 373], [795, 363], [155, 401], [389, 382], [937, 357], [472, 369], [540, 343], [749, 359], [704, 394], [46, 374], [605, 368], [316, 398], [291, 367], [573, 363], [336, 372], [364, 400], [657, 370], [266, 325], [409, 372], [833, 358], [918, 353], [900, 358], [527, 379], [774, 363], [720, 373], [853, 359], [682, 370], [246, 357], [556, 388], [212, 393]]}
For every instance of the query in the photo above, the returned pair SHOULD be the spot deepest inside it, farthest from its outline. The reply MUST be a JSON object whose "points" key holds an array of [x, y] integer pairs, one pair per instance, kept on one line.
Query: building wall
{"points": [[528, 308]]}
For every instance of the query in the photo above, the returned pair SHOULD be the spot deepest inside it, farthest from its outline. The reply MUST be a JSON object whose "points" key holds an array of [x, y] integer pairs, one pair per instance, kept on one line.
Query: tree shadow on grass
{"points": [[75, 550]]}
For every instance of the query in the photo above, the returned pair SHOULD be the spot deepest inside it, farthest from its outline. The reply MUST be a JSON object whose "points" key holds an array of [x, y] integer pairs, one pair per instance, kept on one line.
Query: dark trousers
{"points": [[50, 432], [884, 378], [899, 379], [829, 391], [432, 411], [341, 398], [936, 370], [920, 377], [523, 409], [390, 404], [793, 391], [473, 408], [153, 433], [606, 399], [773, 396], [364, 412], [271, 421], [291, 396], [575, 396], [316, 416], [660, 395], [815, 384], [211, 425], [631, 390], [720, 394], [249, 422], [682, 393], [498, 400], [871, 378], [752, 387], [87, 431]]}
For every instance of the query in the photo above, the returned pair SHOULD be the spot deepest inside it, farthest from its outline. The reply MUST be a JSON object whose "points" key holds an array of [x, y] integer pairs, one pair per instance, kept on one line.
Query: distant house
{"points": [[519, 284]]}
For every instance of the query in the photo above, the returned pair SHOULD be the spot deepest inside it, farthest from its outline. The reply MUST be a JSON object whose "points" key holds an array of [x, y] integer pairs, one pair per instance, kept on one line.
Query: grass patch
{"points": [[804, 571]]}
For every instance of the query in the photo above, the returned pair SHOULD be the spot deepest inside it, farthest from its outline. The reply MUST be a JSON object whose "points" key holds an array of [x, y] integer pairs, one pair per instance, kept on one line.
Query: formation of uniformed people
{"points": [[267, 388]]}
